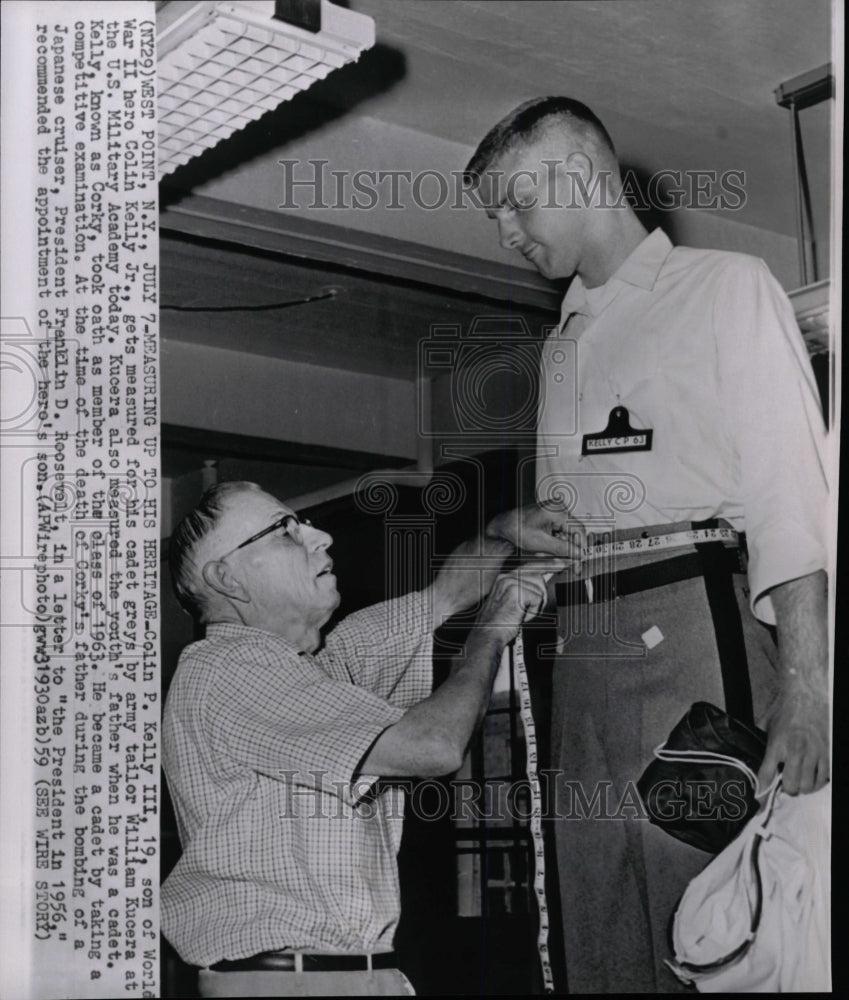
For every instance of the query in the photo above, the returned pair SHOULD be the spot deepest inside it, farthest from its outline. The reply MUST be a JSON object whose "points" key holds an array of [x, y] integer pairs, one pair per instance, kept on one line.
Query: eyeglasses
{"points": [[291, 525]]}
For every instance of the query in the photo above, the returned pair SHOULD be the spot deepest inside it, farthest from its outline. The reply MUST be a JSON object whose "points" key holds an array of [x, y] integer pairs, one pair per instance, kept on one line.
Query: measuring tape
{"points": [[671, 540], [656, 542], [521, 674]]}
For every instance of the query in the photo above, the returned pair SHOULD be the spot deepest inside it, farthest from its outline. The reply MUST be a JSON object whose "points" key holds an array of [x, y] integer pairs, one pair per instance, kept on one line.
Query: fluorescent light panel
{"points": [[223, 65]]}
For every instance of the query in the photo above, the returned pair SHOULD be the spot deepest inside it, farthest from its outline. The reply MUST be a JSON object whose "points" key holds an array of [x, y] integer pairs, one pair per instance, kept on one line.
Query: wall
{"points": [[362, 143], [223, 390]]}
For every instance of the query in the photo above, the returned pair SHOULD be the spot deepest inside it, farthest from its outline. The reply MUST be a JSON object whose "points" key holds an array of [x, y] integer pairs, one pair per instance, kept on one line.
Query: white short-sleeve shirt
{"points": [[701, 347]]}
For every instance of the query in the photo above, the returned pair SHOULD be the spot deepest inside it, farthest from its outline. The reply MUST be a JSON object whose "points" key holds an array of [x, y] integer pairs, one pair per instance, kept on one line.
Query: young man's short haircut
{"points": [[527, 123]]}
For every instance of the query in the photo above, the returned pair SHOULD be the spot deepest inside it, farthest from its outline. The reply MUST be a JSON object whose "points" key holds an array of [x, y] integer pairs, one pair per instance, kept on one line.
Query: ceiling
{"points": [[674, 63], [680, 85], [677, 83]]}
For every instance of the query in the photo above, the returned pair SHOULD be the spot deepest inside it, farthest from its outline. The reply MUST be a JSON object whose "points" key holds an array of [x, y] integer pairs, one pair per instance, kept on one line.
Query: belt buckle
{"points": [[306, 962]]}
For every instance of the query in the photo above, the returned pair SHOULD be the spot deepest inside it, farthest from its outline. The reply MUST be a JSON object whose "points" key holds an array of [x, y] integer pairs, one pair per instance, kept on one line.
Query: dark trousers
{"points": [[612, 704]]}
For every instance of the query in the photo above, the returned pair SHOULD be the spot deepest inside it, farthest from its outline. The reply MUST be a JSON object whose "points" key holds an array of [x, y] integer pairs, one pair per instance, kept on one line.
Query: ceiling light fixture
{"points": [[222, 65]]}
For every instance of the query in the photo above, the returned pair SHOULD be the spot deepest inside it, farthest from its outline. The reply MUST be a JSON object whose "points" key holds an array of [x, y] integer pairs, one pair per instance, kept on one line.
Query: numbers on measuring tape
{"points": [[670, 540], [536, 811]]}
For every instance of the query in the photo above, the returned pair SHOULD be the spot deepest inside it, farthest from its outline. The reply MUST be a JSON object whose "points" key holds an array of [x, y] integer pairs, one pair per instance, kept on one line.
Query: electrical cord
{"points": [[265, 307]]}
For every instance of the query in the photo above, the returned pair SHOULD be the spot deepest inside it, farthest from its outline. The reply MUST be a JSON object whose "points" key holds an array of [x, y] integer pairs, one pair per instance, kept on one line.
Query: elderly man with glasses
{"points": [[274, 741]]}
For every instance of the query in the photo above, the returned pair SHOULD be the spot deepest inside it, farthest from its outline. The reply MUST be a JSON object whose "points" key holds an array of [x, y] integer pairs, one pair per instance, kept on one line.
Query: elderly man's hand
{"points": [[470, 571], [516, 596], [536, 529], [467, 576]]}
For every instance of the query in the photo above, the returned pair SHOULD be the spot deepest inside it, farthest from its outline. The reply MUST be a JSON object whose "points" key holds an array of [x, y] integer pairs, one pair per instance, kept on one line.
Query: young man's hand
{"points": [[797, 741], [798, 729]]}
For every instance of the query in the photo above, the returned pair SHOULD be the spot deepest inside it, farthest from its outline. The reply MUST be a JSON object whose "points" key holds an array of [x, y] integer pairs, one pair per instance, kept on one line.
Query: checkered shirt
{"points": [[282, 846]]}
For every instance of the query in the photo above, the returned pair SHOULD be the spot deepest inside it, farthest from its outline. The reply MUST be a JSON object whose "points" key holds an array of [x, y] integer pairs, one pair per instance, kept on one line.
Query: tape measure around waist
{"points": [[609, 551], [652, 543], [532, 762]]}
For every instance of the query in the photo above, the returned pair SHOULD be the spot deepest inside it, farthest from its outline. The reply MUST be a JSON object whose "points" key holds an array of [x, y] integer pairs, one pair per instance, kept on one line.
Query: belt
{"points": [[620, 583], [285, 961]]}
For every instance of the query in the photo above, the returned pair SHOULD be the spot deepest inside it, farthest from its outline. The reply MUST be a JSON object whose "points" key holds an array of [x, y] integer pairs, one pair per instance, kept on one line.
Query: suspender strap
{"points": [[728, 628], [622, 582]]}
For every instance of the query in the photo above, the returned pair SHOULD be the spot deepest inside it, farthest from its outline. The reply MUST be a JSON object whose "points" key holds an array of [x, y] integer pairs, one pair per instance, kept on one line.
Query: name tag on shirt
{"points": [[619, 435]]}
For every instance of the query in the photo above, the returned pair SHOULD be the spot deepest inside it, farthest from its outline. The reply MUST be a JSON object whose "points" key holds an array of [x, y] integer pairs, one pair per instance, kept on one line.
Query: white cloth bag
{"points": [[772, 938]]}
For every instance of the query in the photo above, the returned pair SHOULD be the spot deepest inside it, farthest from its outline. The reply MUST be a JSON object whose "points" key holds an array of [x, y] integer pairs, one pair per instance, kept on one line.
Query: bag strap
{"points": [[755, 906], [755, 913], [727, 627]]}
